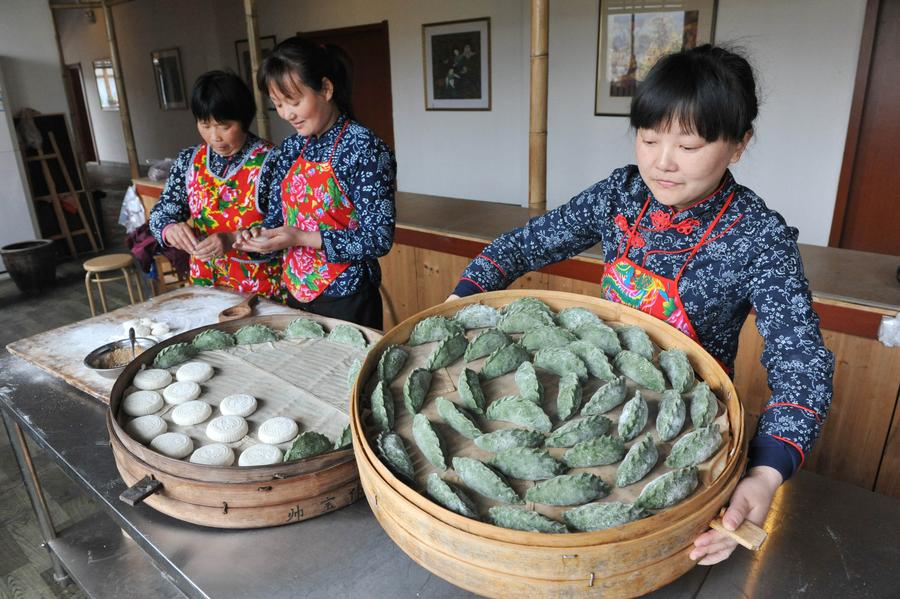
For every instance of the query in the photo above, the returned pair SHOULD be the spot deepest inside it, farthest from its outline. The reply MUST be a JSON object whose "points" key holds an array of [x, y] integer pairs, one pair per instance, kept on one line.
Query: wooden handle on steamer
{"points": [[747, 534]]}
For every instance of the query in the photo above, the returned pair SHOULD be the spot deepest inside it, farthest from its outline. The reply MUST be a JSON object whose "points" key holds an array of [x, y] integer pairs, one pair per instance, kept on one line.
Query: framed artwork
{"points": [[169, 80], [242, 50], [634, 34], [457, 58]]}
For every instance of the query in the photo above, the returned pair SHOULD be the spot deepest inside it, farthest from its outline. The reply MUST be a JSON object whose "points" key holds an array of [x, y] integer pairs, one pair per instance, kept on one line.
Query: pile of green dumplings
{"points": [[553, 443]]}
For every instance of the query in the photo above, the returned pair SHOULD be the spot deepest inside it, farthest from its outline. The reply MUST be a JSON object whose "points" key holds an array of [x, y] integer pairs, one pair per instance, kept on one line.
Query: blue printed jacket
{"points": [[750, 260], [365, 169]]}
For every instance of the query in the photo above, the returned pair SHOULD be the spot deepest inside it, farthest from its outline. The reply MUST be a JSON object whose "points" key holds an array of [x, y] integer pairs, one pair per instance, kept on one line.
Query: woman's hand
{"points": [[451, 297], [750, 501], [272, 240], [181, 236], [214, 246]]}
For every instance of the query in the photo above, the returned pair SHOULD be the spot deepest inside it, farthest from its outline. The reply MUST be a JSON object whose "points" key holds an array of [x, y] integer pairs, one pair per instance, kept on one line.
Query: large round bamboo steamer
{"points": [[234, 497], [623, 562]]}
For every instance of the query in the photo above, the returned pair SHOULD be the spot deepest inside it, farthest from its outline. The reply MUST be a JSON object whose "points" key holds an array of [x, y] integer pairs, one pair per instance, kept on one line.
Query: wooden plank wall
{"points": [[860, 442]]}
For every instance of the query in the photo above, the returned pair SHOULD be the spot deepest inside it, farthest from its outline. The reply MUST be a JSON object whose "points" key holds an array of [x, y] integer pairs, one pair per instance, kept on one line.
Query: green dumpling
{"points": [[308, 444], [304, 328], [211, 339], [518, 518], [255, 333], [174, 354], [347, 334]]}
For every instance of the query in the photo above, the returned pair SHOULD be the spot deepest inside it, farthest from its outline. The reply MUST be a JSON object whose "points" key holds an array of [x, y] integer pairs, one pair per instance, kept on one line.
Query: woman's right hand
{"points": [[181, 236]]}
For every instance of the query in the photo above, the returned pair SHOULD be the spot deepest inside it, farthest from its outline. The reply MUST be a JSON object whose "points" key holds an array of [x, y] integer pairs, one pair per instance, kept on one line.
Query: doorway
{"points": [[866, 217], [369, 52], [81, 119]]}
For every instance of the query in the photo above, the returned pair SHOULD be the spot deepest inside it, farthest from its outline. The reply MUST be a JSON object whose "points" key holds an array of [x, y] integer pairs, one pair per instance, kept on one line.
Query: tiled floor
{"points": [[25, 567]]}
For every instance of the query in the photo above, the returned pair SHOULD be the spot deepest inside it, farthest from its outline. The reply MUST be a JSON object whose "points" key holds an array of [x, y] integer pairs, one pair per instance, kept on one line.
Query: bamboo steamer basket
{"points": [[233, 497], [622, 562]]}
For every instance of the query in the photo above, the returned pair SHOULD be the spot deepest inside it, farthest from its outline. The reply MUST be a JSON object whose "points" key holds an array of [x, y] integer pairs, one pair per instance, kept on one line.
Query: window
{"points": [[106, 84]]}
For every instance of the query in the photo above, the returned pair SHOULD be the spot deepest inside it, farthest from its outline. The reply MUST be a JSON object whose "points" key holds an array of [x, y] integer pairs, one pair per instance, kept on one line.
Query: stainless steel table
{"points": [[827, 538]]}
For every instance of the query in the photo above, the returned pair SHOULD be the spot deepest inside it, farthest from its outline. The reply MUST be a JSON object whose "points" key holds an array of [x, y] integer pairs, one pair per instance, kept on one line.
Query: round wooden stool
{"points": [[110, 263]]}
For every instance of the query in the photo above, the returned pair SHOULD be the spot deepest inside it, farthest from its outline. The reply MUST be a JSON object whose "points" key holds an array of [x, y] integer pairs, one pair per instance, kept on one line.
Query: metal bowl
{"points": [[92, 361]]}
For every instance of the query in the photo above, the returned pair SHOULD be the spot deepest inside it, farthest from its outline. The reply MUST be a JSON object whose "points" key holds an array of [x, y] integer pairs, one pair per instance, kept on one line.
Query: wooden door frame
{"points": [[860, 90], [87, 109]]}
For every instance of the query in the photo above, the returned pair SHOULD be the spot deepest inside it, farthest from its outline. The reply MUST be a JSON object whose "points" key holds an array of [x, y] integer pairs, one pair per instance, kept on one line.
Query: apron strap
{"points": [[338, 140], [705, 235]]}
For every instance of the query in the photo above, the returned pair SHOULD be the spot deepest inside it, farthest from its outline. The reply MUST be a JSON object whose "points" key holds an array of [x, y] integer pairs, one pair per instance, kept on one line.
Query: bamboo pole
{"points": [[124, 114], [262, 118], [537, 134]]}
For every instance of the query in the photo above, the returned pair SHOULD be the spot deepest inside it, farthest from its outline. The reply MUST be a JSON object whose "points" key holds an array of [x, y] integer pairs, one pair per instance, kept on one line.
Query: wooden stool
{"points": [[109, 264]]}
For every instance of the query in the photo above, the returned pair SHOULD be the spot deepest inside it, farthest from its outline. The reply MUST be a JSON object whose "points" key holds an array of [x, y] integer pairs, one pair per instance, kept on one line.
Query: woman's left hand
{"points": [[750, 501], [214, 246], [273, 240]]}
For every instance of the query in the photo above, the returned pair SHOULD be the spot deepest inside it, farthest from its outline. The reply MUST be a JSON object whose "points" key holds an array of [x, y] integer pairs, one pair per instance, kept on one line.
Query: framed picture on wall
{"points": [[457, 58], [634, 34], [242, 49], [169, 80]]}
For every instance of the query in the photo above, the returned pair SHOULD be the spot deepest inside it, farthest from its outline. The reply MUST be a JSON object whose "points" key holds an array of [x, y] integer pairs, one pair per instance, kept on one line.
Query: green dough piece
{"points": [[486, 343], [597, 363], [391, 362], [638, 462], [605, 398], [674, 362], [393, 453], [469, 389], [633, 418], [434, 328], [255, 333], [382, 407], [174, 354], [428, 441], [506, 359], [211, 339], [415, 389], [568, 399], [308, 444], [637, 340], [450, 497], [695, 447], [668, 489], [447, 352], [670, 419], [304, 328], [572, 318], [527, 304], [483, 480], [507, 438], [353, 372], [550, 336], [518, 518], [347, 334], [640, 370], [576, 431], [704, 406], [595, 452], [527, 464], [457, 419], [512, 408], [530, 387], [560, 361], [524, 321], [477, 316], [600, 516], [345, 440], [568, 489], [601, 335]]}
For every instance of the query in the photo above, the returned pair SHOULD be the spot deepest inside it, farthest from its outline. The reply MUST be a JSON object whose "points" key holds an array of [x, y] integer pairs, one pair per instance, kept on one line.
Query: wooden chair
{"points": [[110, 263]]}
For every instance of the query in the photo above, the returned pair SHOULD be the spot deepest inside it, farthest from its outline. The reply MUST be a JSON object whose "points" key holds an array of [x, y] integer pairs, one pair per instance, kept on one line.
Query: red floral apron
{"points": [[227, 205], [313, 200], [627, 283]]}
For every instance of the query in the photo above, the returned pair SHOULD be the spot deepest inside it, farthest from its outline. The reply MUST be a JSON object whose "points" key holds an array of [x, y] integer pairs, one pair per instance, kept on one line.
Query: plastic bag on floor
{"points": [[132, 216]]}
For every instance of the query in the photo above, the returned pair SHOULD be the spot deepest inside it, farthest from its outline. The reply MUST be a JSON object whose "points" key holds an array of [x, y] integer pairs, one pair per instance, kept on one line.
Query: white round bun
{"points": [[226, 429], [239, 404], [277, 430], [146, 428], [191, 412], [260, 455], [159, 328], [152, 379], [194, 372], [214, 454], [180, 392], [141, 403], [174, 445]]}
